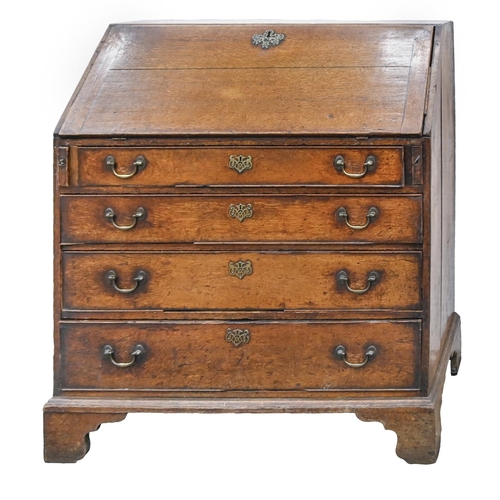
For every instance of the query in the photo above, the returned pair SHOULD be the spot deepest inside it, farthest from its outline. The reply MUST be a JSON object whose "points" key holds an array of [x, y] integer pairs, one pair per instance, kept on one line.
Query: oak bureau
{"points": [[257, 218]]}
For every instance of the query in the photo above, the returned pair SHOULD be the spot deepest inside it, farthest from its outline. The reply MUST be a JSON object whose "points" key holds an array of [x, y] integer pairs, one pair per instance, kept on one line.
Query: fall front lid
{"points": [[167, 79]]}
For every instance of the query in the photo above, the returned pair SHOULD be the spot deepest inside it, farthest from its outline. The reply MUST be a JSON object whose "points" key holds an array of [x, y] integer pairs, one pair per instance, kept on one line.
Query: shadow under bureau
{"points": [[257, 218]]}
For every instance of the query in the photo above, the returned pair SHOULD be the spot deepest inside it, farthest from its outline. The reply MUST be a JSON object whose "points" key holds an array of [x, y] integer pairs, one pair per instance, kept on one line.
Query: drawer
{"points": [[268, 280], [164, 219], [238, 166], [235, 356]]}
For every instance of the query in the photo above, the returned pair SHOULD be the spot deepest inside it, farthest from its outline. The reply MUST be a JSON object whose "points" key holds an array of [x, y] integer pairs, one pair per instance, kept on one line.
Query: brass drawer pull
{"points": [[370, 216], [240, 211], [238, 337], [344, 279], [240, 269], [112, 277], [341, 353], [369, 166], [240, 163], [140, 214], [138, 351], [139, 164]]}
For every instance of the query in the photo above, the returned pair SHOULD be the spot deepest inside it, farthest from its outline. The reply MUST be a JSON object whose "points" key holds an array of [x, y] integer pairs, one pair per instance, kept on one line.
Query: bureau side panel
{"points": [[448, 176], [435, 248], [442, 189]]}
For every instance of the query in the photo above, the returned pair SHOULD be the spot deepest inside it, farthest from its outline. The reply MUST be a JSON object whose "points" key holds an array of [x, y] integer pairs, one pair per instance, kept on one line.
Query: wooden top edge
{"points": [[265, 135], [223, 22]]}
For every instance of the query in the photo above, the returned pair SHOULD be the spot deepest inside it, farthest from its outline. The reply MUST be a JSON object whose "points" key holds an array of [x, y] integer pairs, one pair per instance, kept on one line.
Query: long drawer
{"points": [[235, 356], [268, 280], [339, 166], [164, 219]]}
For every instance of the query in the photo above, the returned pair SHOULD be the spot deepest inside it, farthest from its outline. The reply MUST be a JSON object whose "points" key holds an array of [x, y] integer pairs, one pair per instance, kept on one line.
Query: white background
{"points": [[45, 47]]}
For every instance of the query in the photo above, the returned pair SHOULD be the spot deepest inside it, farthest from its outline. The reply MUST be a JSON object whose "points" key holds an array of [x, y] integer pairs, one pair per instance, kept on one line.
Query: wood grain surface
{"points": [[151, 80], [66, 435], [210, 166], [279, 281], [171, 219], [278, 356]]}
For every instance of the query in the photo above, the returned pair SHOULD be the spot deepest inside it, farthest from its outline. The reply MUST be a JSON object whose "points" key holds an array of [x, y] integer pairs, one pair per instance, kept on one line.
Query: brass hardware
{"points": [[138, 351], [268, 38], [369, 166], [371, 215], [140, 214], [62, 157], [240, 211], [240, 269], [139, 164], [238, 337], [341, 353], [240, 163], [344, 279], [112, 277]]}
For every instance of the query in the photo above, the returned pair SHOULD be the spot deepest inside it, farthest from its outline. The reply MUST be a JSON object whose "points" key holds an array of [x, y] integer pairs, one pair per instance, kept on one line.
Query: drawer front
{"points": [[234, 281], [239, 166], [163, 219], [225, 356]]}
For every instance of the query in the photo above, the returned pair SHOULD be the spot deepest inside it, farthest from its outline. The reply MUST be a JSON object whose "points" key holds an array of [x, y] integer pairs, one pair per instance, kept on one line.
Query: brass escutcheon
{"points": [[240, 163], [268, 39], [240, 211], [240, 269], [238, 337]]}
